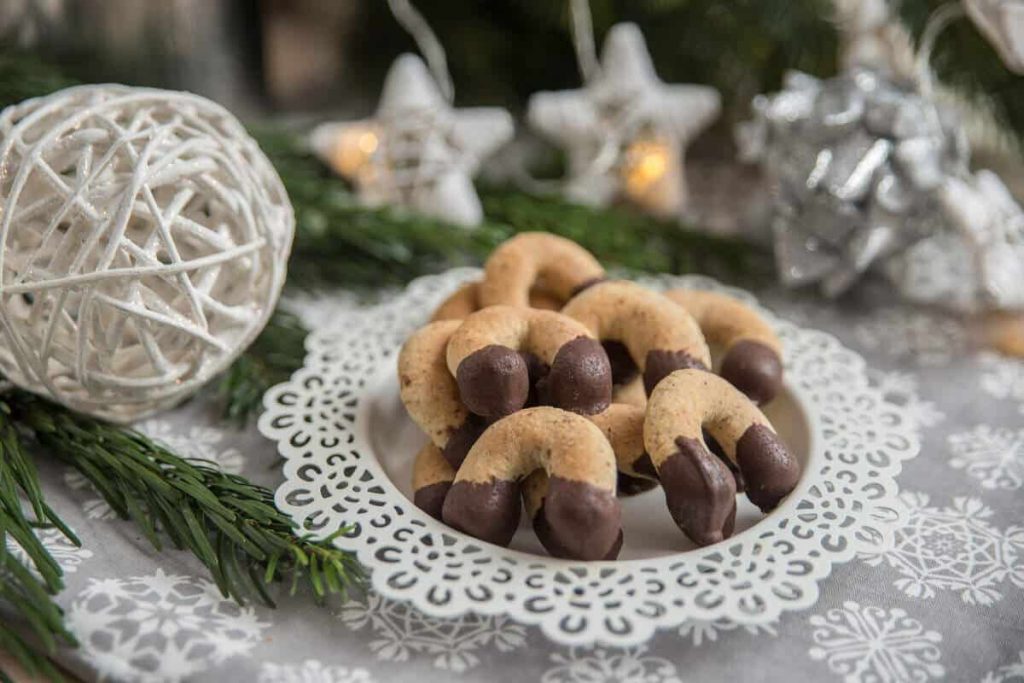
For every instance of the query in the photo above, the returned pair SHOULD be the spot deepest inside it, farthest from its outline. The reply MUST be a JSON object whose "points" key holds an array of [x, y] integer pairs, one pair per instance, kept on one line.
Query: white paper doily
{"points": [[335, 418]]}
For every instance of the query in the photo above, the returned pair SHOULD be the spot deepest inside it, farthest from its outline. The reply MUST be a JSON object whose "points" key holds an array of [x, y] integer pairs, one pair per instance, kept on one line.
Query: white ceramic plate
{"points": [[349, 448]]}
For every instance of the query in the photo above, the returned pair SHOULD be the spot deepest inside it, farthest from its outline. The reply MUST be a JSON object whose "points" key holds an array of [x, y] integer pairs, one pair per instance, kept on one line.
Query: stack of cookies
{"points": [[547, 383]]}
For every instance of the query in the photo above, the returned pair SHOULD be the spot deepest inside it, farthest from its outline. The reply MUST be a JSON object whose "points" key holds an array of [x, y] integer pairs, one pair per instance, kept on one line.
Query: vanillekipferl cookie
{"points": [[699, 488], [658, 336], [580, 508], [492, 351], [537, 260], [611, 395]]}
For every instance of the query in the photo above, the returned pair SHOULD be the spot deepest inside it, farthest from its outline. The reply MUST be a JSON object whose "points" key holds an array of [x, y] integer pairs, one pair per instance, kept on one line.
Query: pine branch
{"points": [[230, 524], [28, 587], [338, 242], [23, 76], [626, 239]]}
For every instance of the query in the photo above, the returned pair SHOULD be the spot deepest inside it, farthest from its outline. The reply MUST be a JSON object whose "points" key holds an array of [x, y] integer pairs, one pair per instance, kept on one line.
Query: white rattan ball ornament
{"points": [[145, 239]]}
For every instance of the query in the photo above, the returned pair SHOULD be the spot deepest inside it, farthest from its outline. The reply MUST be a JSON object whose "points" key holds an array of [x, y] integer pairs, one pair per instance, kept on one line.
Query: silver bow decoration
{"points": [[868, 171]]}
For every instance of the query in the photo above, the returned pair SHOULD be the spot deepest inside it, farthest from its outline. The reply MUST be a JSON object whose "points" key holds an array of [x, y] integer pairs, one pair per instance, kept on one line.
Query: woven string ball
{"points": [[145, 239]]}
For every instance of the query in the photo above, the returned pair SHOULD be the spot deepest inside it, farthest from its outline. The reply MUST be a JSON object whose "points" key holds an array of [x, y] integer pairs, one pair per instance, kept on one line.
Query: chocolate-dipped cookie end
{"points": [[431, 498], [580, 379], [700, 492], [753, 368], [584, 521], [550, 543], [660, 364], [493, 381], [769, 469], [488, 511]]}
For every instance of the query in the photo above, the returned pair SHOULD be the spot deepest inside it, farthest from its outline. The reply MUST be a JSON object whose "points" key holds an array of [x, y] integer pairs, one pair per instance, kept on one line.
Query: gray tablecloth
{"points": [[945, 603]]}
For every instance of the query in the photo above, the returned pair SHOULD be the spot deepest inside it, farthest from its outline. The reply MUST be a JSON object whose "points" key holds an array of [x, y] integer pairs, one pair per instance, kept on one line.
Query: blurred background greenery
{"points": [[309, 55]]}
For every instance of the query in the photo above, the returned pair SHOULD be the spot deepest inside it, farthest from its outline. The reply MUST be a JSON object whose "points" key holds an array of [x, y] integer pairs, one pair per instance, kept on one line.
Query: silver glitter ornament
{"points": [[869, 171]]}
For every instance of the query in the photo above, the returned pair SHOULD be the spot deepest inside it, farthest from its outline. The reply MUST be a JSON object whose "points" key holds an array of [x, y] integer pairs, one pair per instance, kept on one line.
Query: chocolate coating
{"points": [[700, 492], [582, 520], [580, 379], [431, 498], [660, 364], [644, 466], [537, 370], [462, 439], [730, 523], [753, 368], [716, 448], [488, 511], [624, 369], [631, 486], [493, 381], [770, 470], [543, 531]]}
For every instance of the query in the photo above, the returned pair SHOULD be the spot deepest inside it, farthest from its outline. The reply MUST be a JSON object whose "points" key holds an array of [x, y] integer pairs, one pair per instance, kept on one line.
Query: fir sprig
{"points": [[28, 586], [230, 524], [340, 243], [23, 76]]}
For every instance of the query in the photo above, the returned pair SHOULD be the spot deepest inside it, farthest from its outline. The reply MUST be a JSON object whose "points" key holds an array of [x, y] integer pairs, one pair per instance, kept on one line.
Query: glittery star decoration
{"points": [[417, 151], [625, 131]]}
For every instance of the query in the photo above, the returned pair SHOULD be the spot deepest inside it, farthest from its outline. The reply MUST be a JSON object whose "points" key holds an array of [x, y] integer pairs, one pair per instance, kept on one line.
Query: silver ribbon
{"points": [[868, 172]]}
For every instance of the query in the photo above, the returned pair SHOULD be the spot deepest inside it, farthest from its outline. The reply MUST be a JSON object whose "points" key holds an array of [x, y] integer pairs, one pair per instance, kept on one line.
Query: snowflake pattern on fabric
{"points": [[609, 665], [93, 506], [953, 548], [994, 456], [1009, 673], [202, 443], [1002, 377], [699, 631], [312, 671], [875, 644], [901, 388], [402, 631], [66, 554], [160, 627], [913, 335]]}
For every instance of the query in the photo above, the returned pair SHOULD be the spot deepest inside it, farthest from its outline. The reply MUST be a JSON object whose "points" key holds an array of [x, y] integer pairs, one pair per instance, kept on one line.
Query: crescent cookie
{"points": [[752, 352], [623, 426], [660, 337], [699, 489], [580, 508], [541, 260], [466, 300], [486, 356], [432, 476], [431, 395]]}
